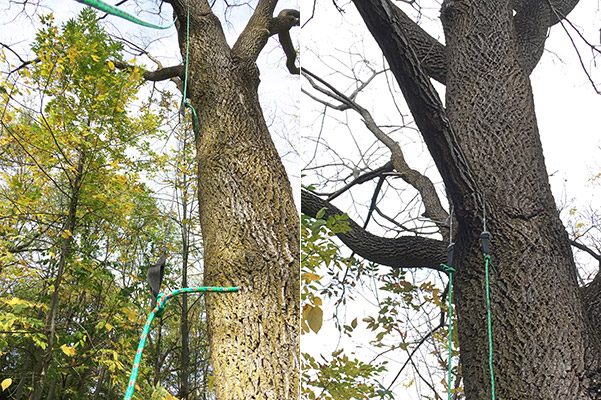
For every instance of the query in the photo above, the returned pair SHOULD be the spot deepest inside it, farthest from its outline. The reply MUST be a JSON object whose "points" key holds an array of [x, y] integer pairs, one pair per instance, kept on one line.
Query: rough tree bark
{"points": [[486, 145], [248, 219]]}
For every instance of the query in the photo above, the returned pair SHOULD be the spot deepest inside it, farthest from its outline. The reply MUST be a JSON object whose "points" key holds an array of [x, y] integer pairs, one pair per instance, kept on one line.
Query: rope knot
{"points": [[488, 261], [447, 269], [161, 300]]}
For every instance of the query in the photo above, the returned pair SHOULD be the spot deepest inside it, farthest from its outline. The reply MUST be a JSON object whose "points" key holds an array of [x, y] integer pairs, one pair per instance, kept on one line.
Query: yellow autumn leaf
{"points": [[95, 58], [111, 65], [70, 351], [170, 397], [66, 233], [13, 302], [310, 276], [6, 383]]}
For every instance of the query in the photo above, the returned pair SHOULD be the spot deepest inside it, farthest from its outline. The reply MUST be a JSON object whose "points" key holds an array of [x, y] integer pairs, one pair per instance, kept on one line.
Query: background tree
{"points": [[485, 144], [78, 221], [247, 215]]}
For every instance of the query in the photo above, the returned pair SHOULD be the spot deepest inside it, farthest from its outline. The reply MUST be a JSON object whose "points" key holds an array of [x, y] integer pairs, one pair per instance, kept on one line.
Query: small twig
{"points": [[422, 341], [586, 249], [362, 179]]}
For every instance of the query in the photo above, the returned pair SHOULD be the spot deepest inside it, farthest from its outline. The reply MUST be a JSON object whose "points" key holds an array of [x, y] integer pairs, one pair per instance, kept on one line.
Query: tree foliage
{"points": [[81, 223]]}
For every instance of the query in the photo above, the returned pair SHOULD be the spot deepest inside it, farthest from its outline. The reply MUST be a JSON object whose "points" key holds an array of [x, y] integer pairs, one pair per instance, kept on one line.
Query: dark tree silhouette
{"points": [[485, 144]]}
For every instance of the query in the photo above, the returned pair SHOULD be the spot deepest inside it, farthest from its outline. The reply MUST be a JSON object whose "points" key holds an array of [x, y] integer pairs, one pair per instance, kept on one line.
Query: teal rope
{"points": [[187, 103], [161, 300], [187, 47], [450, 271], [487, 262], [107, 8]]}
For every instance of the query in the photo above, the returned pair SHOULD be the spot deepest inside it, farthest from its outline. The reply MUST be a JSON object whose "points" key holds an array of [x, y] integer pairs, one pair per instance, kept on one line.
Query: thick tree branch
{"points": [[165, 73], [261, 26], [421, 97], [161, 74], [430, 52], [532, 19], [282, 25], [285, 20], [404, 251], [254, 36]]}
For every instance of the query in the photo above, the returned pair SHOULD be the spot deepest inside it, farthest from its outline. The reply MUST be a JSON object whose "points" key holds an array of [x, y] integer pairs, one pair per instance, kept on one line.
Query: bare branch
{"points": [[422, 99], [160, 74], [388, 167], [433, 207], [586, 249]]}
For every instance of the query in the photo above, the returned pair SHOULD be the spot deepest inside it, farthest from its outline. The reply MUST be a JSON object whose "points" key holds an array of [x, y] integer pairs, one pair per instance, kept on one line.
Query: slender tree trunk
{"points": [[40, 382], [26, 365], [158, 361], [248, 218], [52, 388], [100, 384], [543, 347], [184, 330]]}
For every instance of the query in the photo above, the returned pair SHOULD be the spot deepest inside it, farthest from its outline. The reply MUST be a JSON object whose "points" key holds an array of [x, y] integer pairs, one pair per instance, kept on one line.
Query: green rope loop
{"points": [[487, 262], [450, 271], [161, 300], [109, 9], [447, 269]]}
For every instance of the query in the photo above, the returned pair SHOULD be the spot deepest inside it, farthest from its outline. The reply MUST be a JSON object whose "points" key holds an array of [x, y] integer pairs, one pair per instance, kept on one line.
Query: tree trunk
{"points": [[100, 384], [248, 220], [185, 331], [158, 359], [40, 382], [487, 148], [542, 341], [26, 365]]}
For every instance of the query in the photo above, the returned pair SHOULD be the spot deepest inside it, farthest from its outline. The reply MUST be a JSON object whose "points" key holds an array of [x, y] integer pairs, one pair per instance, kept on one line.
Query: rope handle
{"points": [[161, 301]]}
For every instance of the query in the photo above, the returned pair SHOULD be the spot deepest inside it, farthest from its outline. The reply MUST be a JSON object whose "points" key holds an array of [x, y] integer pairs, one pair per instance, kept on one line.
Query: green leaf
{"points": [[320, 213], [315, 318]]}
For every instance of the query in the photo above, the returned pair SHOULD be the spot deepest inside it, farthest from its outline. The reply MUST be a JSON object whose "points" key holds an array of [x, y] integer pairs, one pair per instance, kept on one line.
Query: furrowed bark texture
{"points": [[486, 144], [248, 219], [541, 336]]}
